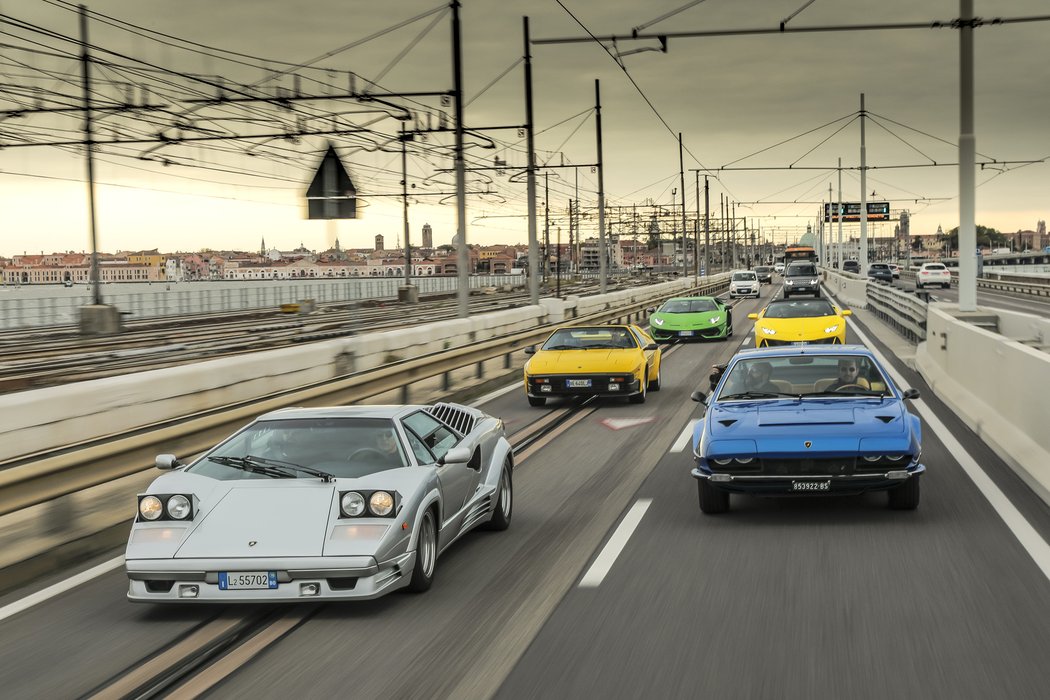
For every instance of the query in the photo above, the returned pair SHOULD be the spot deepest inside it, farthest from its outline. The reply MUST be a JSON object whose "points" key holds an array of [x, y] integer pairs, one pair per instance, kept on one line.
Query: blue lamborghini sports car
{"points": [[806, 420]]}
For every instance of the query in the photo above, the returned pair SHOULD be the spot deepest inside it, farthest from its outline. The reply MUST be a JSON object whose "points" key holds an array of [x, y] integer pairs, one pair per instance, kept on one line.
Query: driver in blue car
{"points": [[849, 376]]}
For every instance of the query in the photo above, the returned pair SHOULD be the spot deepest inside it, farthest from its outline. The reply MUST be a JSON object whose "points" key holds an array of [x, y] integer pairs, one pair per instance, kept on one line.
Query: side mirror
{"points": [[652, 346], [457, 455], [167, 462], [699, 397], [651, 310], [531, 350], [753, 317], [847, 312], [911, 393]]}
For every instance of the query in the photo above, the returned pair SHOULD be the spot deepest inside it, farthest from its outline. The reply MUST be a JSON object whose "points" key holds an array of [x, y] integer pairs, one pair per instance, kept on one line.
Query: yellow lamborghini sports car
{"points": [[593, 361], [798, 321]]}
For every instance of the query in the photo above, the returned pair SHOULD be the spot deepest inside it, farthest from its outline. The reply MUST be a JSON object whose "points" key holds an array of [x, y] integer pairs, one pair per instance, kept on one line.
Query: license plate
{"points": [[247, 580], [810, 485], [798, 342], [578, 383], [685, 334]]}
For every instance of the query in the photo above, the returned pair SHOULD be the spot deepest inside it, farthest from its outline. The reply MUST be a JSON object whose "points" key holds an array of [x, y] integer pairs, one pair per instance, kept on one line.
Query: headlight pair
{"points": [[768, 331], [658, 321], [831, 329], [166, 507], [379, 504], [737, 461], [884, 459]]}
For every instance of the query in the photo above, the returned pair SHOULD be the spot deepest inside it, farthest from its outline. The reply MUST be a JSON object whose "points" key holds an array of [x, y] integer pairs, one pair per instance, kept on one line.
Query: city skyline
{"points": [[729, 96]]}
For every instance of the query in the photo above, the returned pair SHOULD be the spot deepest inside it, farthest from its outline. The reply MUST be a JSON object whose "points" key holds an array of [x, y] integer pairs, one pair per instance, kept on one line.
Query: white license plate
{"points": [[685, 334], [798, 342], [578, 383], [810, 485], [247, 580]]}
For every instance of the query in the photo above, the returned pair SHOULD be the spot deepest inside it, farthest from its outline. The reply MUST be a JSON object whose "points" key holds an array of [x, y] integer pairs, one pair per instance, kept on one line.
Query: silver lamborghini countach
{"points": [[311, 504]]}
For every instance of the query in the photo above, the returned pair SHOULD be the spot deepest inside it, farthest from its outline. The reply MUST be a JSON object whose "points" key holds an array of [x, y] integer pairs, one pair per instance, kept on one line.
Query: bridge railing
{"points": [[905, 312]]}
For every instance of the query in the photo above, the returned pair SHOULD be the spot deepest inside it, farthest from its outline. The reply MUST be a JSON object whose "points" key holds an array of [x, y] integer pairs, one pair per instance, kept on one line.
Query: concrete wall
{"points": [[42, 419], [996, 384], [849, 288]]}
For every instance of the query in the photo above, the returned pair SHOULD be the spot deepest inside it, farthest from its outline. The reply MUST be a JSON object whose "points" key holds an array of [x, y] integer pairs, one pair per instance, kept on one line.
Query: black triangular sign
{"points": [[331, 194]]}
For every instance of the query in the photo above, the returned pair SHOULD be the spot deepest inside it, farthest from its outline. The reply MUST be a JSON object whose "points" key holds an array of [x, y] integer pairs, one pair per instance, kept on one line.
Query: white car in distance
{"points": [[933, 274]]}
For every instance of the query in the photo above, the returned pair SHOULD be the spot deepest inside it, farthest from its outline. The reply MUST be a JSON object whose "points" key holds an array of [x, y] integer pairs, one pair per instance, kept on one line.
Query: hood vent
{"points": [[727, 421], [886, 419]]}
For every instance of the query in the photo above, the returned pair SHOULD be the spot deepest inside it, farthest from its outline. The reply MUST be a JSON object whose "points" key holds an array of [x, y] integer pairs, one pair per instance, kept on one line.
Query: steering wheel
{"points": [[364, 450], [851, 386]]}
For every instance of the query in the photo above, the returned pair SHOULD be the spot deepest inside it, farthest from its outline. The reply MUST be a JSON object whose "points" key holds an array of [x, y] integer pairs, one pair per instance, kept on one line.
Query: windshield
{"points": [[342, 447], [744, 277], [590, 338], [799, 309], [688, 306], [827, 376], [935, 267], [805, 270], [763, 269]]}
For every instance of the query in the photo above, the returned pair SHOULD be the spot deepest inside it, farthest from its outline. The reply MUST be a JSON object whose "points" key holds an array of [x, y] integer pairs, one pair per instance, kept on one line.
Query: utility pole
{"points": [[863, 195], [89, 150], [557, 271], [681, 183], [546, 223], [827, 258], [696, 231], [723, 230], [462, 257], [967, 157], [602, 282], [707, 229], [530, 169], [839, 214], [736, 259], [572, 223], [404, 207]]}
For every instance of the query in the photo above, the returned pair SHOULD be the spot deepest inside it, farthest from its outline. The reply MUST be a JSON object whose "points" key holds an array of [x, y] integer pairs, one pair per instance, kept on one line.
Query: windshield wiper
{"points": [[869, 393], [758, 395], [271, 467], [605, 347], [562, 347]]}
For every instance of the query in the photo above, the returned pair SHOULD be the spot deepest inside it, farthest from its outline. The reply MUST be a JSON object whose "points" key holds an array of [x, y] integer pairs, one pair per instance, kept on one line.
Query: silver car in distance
{"points": [[311, 504]]}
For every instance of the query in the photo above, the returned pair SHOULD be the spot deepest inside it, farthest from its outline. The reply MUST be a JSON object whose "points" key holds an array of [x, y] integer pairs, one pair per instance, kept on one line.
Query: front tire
{"points": [[905, 496], [712, 500], [426, 554], [503, 509], [537, 400], [640, 396]]}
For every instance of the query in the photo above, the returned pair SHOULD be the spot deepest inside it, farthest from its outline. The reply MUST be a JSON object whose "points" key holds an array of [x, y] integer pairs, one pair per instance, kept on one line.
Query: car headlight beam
{"points": [[715, 319], [179, 507], [768, 331], [658, 321], [352, 503], [150, 508], [381, 503], [831, 329]]}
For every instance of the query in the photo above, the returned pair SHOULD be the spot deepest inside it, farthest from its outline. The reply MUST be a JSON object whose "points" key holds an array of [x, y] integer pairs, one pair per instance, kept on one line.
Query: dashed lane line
{"points": [[603, 564], [686, 436]]}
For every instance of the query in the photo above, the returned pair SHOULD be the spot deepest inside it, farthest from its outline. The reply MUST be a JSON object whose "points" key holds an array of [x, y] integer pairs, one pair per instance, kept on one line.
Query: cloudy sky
{"points": [[758, 102]]}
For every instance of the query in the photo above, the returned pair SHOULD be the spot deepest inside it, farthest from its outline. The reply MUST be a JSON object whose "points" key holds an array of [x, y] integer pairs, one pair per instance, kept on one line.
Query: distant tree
{"points": [[986, 237]]}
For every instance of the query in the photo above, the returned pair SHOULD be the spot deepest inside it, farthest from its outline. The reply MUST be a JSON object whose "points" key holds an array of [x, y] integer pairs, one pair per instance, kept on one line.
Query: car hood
{"points": [[269, 517], [830, 426], [702, 319], [800, 328], [569, 361]]}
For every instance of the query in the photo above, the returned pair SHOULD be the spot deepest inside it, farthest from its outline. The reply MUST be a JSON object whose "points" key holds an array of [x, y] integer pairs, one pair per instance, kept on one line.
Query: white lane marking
{"points": [[1029, 538], [520, 384], [601, 566], [60, 587], [686, 436]]}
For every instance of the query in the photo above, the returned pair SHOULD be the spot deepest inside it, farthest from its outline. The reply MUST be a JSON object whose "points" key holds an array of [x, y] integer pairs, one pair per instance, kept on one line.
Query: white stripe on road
{"points": [[601, 566], [520, 384], [686, 436], [1029, 538], [60, 587]]}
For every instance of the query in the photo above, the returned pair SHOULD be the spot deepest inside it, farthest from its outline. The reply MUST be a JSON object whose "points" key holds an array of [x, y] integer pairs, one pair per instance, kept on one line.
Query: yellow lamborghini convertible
{"points": [[798, 321], [593, 360]]}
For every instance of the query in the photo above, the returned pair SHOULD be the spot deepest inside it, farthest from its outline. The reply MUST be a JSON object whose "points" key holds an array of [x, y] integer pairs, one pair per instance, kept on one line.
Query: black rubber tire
{"points": [[786, 295], [421, 579], [537, 400], [504, 509], [712, 500], [905, 496], [654, 385], [729, 324], [640, 396]]}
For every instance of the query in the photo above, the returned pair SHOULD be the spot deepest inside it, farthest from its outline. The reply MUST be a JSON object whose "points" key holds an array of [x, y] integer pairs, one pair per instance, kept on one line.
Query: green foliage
{"points": [[986, 237]]}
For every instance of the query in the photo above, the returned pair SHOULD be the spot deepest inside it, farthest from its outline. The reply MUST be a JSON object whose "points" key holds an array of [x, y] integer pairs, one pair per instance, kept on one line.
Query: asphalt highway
{"points": [[808, 597]]}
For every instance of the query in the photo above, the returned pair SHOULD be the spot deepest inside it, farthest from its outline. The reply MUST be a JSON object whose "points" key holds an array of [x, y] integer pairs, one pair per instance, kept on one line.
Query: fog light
{"points": [[721, 477], [546, 388], [189, 591], [309, 589], [900, 474], [614, 387]]}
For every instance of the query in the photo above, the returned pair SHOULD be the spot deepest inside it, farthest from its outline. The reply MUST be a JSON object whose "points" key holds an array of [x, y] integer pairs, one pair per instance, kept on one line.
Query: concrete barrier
{"points": [[48, 418], [995, 382], [849, 288]]}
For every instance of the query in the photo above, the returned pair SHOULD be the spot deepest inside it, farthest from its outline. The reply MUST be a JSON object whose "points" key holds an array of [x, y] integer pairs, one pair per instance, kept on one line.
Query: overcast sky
{"points": [[730, 97]]}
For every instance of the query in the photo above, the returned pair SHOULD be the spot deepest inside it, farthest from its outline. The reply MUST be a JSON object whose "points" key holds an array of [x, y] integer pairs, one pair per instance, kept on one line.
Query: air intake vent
{"points": [[728, 422], [462, 419], [886, 419]]}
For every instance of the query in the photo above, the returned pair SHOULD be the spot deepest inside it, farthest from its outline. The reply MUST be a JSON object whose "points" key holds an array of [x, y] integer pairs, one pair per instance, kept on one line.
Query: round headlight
{"points": [[872, 458], [723, 462], [179, 507], [381, 503], [745, 460], [352, 503], [895, 458], [150, 508]]}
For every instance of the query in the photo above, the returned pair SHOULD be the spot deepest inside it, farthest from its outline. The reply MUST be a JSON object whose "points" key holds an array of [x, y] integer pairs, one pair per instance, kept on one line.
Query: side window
{"points": [[437, 438], [641, 337], [420, 450], [441, 441]]}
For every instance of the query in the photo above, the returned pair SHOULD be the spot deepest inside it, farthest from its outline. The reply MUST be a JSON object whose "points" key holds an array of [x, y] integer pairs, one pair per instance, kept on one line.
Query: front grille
{"points": [[808, 466], [820, 341]]}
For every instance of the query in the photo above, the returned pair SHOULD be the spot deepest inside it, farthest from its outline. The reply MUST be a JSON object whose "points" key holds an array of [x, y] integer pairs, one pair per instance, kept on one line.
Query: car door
{"points": [[652, 357], [458, 481]]}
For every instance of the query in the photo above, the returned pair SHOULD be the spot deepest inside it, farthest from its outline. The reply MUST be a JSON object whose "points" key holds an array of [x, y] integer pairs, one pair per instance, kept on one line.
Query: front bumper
{"points": [[710, 332], [752, 291], [782, 484], [335, 578], [600, 385]]}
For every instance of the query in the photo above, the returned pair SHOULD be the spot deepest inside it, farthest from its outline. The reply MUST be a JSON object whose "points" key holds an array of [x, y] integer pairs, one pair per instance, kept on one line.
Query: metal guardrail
{"points": [[1033, 289], [902, 310], [40, 478]]}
